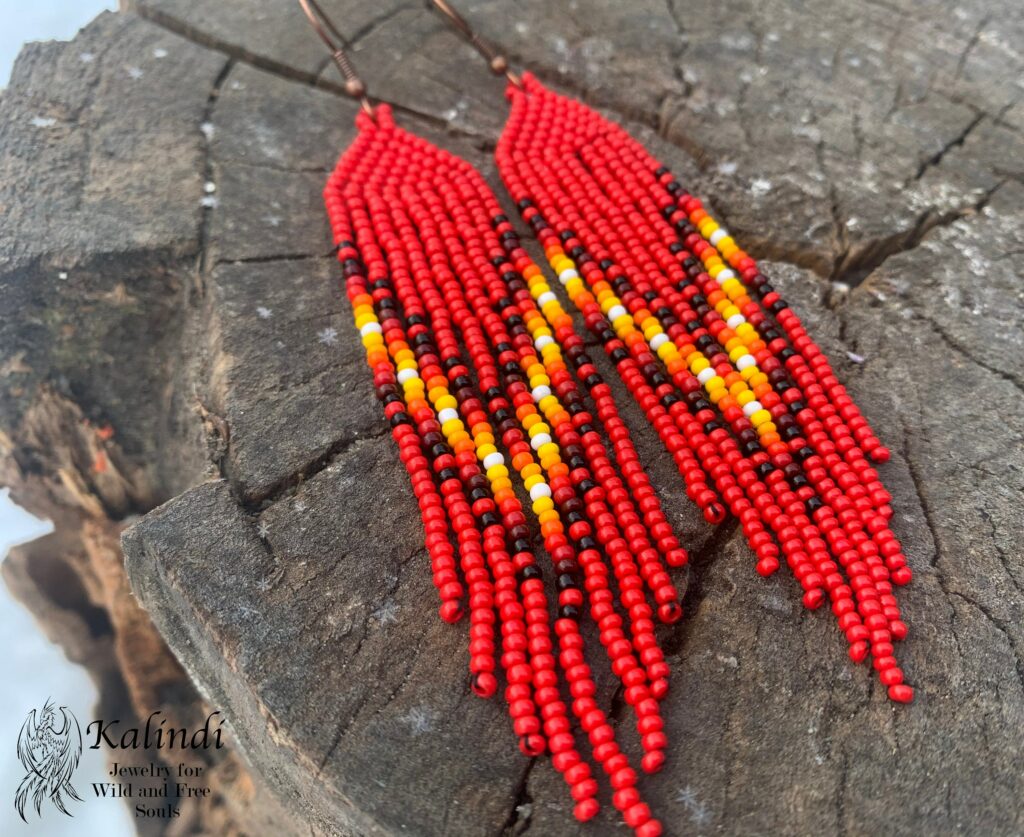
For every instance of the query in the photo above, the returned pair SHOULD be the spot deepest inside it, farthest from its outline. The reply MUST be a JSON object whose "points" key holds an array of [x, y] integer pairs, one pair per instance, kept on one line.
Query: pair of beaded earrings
{"points": [[481, 372]]}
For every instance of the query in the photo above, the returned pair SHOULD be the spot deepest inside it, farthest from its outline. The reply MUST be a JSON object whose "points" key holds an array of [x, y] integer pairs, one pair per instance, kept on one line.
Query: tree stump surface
{"points": [[180, 348]]}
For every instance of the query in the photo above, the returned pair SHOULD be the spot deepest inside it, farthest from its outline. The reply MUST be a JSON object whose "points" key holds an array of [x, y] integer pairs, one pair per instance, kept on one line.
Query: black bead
{"points": [[569, 612], [530, 571]]}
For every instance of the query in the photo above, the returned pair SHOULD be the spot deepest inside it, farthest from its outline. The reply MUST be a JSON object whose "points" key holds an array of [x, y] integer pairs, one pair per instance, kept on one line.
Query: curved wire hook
{"points": [[330, 35], [497, 61]]}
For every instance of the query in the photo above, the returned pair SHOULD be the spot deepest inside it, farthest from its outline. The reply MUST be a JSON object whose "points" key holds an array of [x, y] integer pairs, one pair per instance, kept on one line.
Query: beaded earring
{"points": [[431, 265], [741, 396]]}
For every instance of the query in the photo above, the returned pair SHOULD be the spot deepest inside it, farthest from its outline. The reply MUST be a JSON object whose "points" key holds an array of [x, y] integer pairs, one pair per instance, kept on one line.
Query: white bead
{"points": [[493, 459], [751, 407], [724, 275], [447, 414], [735, 321], [718, 235], [545, 298], [540, 439], [542, 341], [541, 489], [658, 341], [615, 312], [541, 392], [371, 328], [745, 361], [706, 375], [566, 275], [407, 375]]}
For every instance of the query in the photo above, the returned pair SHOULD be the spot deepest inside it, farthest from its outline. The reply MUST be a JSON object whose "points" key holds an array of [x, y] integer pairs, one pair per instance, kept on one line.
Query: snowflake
{"points": [[328, 336], [87, 57], [727, 167], [699, 812], [760, 186], [264, 530], [62, 274], [687, 796], [135, 72], [263, 313], [700, 815], [264, 584], [272, 220], [159, 52], [43, 122], [208, 130], [300, 506], [209, 187], [387, 613], [209, 201], [856, 358], [421, 720]]}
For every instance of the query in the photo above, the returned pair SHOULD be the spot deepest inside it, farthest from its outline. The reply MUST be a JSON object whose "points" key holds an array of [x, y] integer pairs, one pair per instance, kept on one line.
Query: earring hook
{"points": [[497, 61], [323, 26]]}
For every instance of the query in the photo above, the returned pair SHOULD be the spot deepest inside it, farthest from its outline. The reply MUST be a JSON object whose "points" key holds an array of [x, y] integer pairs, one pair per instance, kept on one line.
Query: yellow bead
{"points": [[547, 449], [767, 427], [538, 427], [714, 383], [737, 351], [532, 480], [547, 516], [485, 450], [698, 363], [745, 328], [760, 417], [447, 402], [745, 397], [496, 471], [452, 426], [530, 470], [548, 403], [372, 340], [732, 287], [543, 504]]}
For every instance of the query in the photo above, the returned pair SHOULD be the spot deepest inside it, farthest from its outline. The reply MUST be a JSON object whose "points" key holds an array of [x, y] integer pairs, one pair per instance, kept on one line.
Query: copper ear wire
{"points": [[498, 63], [330, 35]]}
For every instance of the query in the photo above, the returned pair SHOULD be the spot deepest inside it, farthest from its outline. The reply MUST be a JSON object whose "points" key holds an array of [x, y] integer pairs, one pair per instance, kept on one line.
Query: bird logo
{"points": [[50, 756]]}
